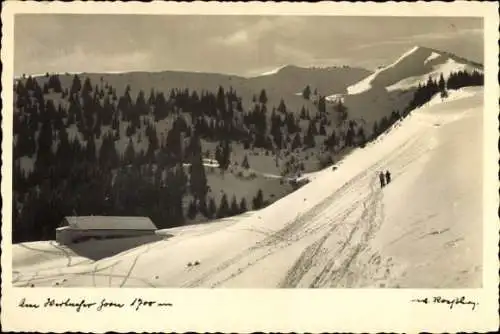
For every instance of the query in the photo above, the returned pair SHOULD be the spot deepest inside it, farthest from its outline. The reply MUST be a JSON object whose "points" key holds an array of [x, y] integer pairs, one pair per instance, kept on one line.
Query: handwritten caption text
{"points": [[79, 305]]}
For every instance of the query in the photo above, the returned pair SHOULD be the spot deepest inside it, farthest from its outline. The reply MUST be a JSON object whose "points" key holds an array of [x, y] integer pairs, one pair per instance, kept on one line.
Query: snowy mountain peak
{"points": [[415, 50], [412, 67], [279, 69]]}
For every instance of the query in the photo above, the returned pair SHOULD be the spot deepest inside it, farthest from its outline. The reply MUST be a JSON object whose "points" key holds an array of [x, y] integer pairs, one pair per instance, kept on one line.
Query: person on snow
{"points": [[382, 179], [387, 177]]}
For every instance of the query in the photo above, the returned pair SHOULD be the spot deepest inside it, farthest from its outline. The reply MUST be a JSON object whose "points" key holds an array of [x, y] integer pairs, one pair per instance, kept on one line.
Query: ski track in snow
{"points": [[313, 254], [303, 226]]}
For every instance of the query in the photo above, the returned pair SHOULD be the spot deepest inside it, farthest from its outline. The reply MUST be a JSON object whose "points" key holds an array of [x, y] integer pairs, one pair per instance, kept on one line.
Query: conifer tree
{"points": [[76, 85], [292, 125], [361, 136], [239, 106], [243, 205], [223, 154], [322, 130], [375, 129], [198, 181], [152, 98], [303, 113], [212, 208], [297, 141], [129, 155], [309, 137], [245, 163], [321, 105], [173, 144], [258, 200], [223, 207], [91, 150], [87, 87], [306, 93], [202, 207], [263, 97], [441, 83], [221, 101], [278, 139], [282, 107], [235, 209], [44, 156], [192, 210], [349, 137], [444, 94], [226, 154], [341, 111], [130, 130], [140, 104]]}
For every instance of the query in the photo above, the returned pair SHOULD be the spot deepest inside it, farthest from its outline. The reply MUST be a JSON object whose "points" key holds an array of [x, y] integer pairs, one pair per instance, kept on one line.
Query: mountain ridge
{"points": [[415, 63], [282, 68]]}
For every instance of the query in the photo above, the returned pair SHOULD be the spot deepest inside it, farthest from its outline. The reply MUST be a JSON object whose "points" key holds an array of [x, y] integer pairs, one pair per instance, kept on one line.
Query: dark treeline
{"points": [[425, 92], [456, 80]]}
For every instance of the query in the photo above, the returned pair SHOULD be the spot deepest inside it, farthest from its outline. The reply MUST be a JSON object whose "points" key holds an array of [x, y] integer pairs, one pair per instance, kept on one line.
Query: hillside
{"points": [[392, 87], [83, 142], [339, 230], [291, 80], [412, 68], [284, 84], [141, 126]]}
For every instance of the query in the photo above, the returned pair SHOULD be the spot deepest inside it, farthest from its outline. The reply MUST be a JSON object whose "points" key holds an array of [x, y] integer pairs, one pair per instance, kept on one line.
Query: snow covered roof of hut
{"points": [[109, 223]]}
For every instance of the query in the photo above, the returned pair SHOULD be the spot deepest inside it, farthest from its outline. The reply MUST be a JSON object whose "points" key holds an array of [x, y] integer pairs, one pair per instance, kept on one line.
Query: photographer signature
{"points": [[442, 300]]}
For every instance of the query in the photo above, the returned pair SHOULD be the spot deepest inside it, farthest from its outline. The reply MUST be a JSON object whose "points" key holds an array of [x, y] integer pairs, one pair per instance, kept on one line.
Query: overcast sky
{"points": [[243, 45]]}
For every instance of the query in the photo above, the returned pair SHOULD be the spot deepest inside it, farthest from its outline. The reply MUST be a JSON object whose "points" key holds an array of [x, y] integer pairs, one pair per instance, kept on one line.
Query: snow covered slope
{"points": [[392, 87], [414, 66], [424, 230]]}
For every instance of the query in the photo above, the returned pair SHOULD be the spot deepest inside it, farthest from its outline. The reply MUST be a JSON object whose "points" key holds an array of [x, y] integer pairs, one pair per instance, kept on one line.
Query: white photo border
{"points": [[266, 310]]}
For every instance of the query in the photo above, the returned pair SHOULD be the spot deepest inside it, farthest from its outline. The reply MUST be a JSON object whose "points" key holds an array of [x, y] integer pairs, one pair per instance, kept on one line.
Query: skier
{"points": [[382, 179], [387, 177]]}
